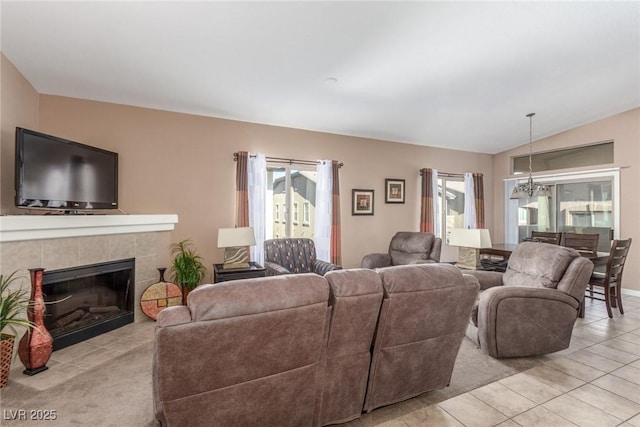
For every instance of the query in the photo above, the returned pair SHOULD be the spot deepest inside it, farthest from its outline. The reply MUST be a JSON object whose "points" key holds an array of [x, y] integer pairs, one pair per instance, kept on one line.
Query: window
{"points": [[451, 205], [306, 213], [589, 155], [288, 188], [580, 203]]}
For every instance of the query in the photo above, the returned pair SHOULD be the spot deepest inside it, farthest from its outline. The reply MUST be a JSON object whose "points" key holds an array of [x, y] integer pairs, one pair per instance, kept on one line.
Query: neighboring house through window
{"points": [[288, 187]]}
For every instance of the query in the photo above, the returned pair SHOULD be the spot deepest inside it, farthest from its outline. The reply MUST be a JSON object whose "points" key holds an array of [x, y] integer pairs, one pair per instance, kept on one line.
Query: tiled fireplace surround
{"points": [[56, 242]]}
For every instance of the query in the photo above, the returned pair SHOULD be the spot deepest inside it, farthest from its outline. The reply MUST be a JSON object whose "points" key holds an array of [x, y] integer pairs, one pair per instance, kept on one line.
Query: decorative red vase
{"points": [[36, 345]]}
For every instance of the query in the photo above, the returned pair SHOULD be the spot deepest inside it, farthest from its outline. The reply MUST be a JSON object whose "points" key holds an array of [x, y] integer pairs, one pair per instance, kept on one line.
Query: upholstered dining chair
{"points": [[611, 280]]}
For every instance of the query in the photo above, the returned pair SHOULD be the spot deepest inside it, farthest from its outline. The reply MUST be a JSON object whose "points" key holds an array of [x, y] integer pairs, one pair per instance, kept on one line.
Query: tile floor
{"points": [[78, 358], [595, 382]]}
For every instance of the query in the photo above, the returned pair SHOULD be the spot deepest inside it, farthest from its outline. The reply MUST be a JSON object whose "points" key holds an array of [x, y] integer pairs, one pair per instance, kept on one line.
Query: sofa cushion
{"points": [[534, 264], [252, 296], [421, 325]]}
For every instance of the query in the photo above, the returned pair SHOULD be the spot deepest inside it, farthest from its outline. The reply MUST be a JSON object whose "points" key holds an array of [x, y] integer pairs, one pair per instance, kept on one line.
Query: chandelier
{"points": [[530, 189]]}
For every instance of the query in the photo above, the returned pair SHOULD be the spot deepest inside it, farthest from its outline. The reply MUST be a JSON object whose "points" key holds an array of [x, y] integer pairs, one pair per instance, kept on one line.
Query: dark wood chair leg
{"points": [[607, 301], [619, 296]]}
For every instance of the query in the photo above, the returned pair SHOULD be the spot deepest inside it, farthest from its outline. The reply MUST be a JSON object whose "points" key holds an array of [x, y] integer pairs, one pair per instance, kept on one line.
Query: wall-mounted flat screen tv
{"points": [[55, 173]]}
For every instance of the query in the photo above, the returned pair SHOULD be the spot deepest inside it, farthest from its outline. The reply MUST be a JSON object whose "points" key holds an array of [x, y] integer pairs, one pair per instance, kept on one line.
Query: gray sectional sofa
{"points": [[306, 350]]}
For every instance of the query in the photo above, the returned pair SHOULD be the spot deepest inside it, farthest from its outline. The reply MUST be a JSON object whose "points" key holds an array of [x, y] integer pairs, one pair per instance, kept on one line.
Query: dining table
{"points": [[504, 250]]}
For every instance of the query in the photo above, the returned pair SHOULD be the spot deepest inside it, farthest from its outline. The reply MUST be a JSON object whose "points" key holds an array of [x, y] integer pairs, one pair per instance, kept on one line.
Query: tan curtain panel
{"points": [[478, 194], [242, 190], [426, 202], [336, 250]]}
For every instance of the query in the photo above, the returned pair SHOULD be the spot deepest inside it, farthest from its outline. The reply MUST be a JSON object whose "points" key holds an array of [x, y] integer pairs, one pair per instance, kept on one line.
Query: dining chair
{"points": [[585, 243], [546, 237], [611, 280]]}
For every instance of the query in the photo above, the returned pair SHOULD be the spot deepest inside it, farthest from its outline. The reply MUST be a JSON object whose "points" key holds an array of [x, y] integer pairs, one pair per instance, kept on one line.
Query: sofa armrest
{"points": [[515, 321], [175, 315], [376, 261], [487, 279], [274, 269], [323, 267]]}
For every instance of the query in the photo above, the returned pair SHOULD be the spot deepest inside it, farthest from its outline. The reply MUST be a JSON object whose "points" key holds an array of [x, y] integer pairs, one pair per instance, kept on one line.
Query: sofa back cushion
{"points": [[535, 264], [407, 247], [296, 255], [355, 298], [422, 322], [253, 343], [261, 295]]}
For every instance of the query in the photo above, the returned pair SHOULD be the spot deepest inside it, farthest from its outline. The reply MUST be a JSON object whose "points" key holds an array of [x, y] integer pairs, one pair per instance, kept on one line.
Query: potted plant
{"points": [[13, 305], [187, 267]]}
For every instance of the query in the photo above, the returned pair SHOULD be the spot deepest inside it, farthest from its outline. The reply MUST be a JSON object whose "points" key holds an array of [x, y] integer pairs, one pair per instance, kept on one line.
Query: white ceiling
{"points": [[448, 74]]}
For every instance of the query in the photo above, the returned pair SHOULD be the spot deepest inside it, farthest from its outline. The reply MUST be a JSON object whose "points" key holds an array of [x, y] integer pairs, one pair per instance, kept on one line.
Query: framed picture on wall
{"points": [[393, 190], [361, 202]]}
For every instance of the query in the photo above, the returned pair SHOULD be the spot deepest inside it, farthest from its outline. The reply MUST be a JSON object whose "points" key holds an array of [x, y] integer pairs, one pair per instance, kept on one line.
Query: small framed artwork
{"points": [[361, 202], [393, 190]]}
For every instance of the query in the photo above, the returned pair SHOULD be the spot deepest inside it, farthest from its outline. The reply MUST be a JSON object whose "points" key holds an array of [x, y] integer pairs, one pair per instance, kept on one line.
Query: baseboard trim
{"points": [[631, 292]]}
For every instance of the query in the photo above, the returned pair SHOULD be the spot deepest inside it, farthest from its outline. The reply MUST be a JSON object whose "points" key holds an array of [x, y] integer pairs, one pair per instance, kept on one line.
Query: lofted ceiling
{"points": [[458, 75]]}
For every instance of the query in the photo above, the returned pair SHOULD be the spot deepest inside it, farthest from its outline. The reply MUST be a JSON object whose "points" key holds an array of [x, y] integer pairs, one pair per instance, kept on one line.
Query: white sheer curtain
{"points": [[437, 217], [544, 214], [469, 202], [322, 230], [257, 188]]}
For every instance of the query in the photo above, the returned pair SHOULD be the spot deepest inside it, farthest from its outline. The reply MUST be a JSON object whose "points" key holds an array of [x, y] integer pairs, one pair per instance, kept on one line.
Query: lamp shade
{"points": [[470, 238], [232, 237]]}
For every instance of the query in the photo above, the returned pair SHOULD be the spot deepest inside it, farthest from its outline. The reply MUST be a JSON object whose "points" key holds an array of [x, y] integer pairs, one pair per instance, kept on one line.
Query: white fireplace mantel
{"points": [[35, 227]]}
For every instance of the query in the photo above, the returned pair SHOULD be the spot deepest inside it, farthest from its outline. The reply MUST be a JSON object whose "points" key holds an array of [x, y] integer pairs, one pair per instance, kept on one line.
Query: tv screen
{"points": [[55, 173]]}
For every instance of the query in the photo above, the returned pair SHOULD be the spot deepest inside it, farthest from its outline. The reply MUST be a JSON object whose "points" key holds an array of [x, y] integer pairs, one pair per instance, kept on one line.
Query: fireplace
{"points": [[83, 302]]}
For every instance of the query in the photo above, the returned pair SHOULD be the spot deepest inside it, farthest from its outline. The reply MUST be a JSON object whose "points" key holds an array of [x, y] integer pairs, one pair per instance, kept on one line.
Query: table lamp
{"points": [[469, 242], [235, 242]]}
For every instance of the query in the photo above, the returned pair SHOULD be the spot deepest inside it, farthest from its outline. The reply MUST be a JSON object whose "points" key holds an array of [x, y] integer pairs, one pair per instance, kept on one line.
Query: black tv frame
{"points": [[67, 206]]}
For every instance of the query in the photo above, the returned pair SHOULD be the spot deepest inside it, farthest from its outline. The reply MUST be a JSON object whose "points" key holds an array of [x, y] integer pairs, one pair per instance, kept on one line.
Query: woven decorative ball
{"points": [[159, 296]]}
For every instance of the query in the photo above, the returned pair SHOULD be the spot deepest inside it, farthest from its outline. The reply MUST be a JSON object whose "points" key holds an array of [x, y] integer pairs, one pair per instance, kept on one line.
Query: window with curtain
{"points": [[291, 196], [451, 194]]}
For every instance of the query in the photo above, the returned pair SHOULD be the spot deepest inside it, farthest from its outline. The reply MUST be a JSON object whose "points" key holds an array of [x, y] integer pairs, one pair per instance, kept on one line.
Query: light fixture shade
{"points": [[470, 238], [240, 236]]}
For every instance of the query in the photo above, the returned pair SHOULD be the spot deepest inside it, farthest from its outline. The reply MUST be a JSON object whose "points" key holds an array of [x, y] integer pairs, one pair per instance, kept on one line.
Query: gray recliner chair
{"points": [[531, 308], [406, 247]]}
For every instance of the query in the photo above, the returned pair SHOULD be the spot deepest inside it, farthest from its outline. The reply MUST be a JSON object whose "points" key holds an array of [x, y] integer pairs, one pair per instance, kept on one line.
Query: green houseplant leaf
{"points": [[187, 267], [13, 304]]}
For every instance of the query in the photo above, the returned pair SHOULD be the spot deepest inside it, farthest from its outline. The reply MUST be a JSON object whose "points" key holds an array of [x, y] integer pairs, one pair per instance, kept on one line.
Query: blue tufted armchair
{"points": [[298, 255]]}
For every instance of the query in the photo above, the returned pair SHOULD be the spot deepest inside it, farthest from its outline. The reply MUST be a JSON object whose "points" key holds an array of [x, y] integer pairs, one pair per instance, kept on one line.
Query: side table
{"points": [[223, 275]]}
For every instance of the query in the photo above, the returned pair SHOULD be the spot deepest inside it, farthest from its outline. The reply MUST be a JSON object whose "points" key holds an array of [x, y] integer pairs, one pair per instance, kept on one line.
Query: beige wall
{"points": [[18, 107], [180, 163], [624, 130]]}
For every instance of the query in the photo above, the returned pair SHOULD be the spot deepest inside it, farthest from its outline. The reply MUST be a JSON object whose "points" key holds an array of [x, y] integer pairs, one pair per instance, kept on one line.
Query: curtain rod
{"points": [[285, 160], [447, 174]]}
